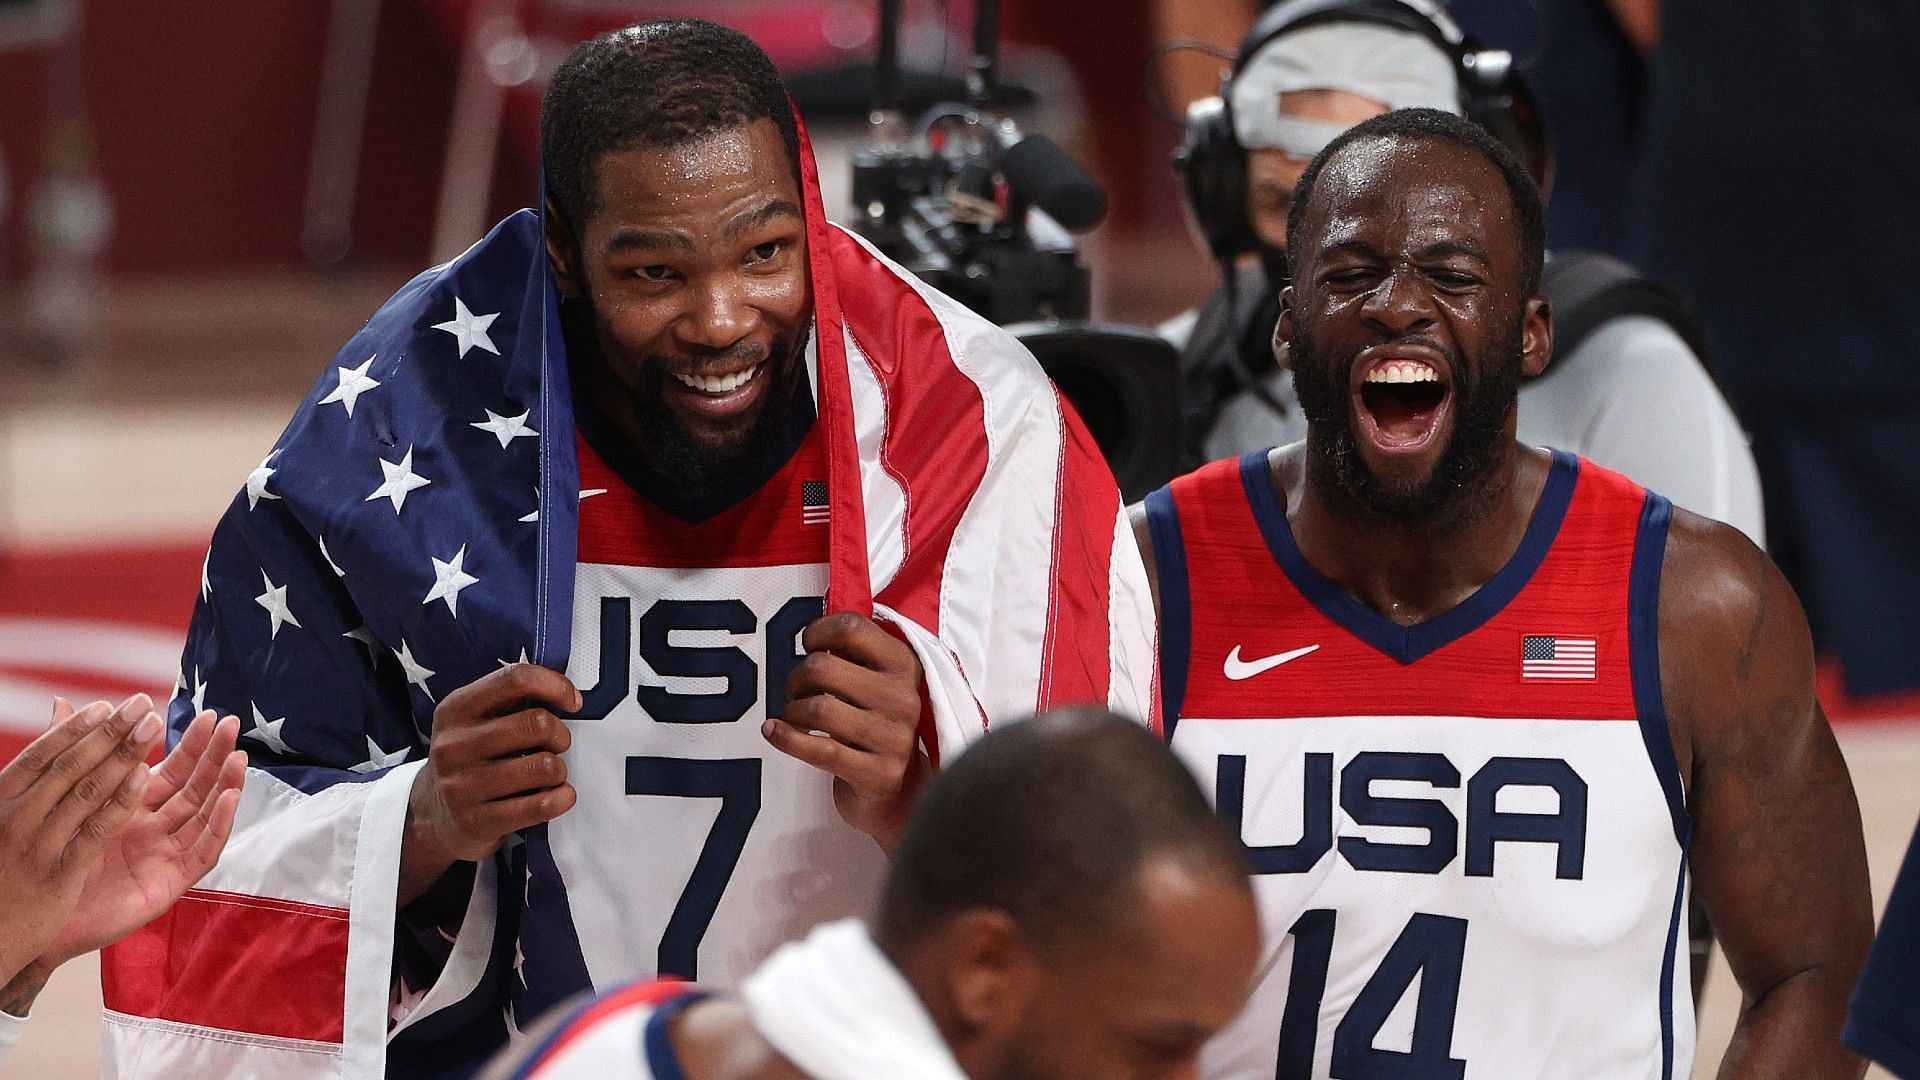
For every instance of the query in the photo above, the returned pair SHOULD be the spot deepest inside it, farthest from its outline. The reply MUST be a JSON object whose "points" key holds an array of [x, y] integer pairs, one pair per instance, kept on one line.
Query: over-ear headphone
{"points": [[1492, 94]]}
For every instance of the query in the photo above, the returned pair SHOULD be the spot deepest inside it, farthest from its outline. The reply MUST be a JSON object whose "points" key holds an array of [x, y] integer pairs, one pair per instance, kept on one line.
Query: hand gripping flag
{"points": [[415, 527]]}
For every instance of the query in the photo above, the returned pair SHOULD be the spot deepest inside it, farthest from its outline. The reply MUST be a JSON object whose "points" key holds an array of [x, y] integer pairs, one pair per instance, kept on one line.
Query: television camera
{"points": [[987, 214]]}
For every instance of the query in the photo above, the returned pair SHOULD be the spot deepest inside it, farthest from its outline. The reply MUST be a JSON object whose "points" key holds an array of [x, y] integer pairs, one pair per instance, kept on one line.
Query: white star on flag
{"points": [[584, 496], [275, 601], [365, 637], [400, 479], [468, 329], [417, 673], [327, 555], [506, 428], [353, 383], [406, 1000], [268, 732], [199, 691], [523, 659], [449, 579], [378, 758], [257, 482]]}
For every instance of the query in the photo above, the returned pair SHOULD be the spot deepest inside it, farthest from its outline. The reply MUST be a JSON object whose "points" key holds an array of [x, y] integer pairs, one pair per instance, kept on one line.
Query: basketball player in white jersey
{"points": [[1484, 713], [1094, 927]]}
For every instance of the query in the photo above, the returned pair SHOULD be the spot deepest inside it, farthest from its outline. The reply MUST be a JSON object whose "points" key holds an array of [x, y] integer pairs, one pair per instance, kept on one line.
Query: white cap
{"points": [[1398, 68]]}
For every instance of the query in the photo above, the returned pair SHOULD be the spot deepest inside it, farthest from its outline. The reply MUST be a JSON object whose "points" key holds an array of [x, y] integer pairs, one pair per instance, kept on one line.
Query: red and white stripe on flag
{"points": [[1546, 656]]}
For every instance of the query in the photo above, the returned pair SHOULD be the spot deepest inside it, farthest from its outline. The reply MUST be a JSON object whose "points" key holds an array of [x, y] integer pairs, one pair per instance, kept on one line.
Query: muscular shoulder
{"points": [[1735, 652], [1288, 464]]}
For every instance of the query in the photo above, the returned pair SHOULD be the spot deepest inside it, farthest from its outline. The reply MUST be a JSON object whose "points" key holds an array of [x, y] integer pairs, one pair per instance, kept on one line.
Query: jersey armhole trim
{"points": [[1643, 636], [1176, 608], [657, 1038]]}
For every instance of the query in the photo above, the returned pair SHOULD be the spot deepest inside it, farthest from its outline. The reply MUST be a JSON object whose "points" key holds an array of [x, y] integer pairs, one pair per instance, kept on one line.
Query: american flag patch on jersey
{"points": [[1546, 656], [813, 502]]}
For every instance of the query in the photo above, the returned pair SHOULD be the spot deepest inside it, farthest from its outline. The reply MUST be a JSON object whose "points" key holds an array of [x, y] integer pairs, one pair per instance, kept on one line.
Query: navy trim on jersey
{"points": [[1176, 607], [1407, 644], [1666, 971], [1643, 637], [660, 1057], [656, 1041], [546, 1042]]}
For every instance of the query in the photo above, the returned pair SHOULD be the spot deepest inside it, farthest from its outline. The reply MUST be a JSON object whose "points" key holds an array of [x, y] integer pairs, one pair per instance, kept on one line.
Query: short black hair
{"points": [[1051, 820], [1433, 125], [665, 83]]}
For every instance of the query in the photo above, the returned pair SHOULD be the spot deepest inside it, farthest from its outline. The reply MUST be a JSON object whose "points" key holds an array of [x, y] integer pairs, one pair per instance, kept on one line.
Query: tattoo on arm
{"points": [[1777, 854]]}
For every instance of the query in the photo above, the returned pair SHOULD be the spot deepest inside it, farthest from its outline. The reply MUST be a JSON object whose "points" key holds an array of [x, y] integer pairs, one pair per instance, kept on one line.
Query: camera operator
{"points": [[1626, 388]]}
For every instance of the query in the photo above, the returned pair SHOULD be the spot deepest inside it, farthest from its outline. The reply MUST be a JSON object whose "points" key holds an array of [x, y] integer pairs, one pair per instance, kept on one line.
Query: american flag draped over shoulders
{"points": [[415, 527]]}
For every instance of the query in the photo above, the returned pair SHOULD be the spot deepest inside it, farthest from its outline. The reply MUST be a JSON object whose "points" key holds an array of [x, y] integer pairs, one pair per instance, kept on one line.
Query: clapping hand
{"points": [[172, 840], [93, 844], [67, 794]]}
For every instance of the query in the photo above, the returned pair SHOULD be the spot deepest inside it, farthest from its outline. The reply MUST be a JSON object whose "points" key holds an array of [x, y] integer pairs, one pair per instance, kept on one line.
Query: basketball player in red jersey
{"points": [[1552, 703]]}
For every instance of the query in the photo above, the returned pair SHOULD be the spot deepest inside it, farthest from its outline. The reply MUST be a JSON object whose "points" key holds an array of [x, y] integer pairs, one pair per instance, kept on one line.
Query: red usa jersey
{"points": [[1468, 835], [696, 848], [624, 1035]]}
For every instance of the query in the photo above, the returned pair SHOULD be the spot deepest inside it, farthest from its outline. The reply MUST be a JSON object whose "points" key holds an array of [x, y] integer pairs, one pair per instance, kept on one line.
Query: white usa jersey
{"points": [[625, 1035], [1468, 834], [696, 848]]}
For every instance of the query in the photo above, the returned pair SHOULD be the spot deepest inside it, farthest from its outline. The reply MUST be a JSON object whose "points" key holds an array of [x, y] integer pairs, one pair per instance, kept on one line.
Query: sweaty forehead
{"points": [[746, 161], [1400, 195]]}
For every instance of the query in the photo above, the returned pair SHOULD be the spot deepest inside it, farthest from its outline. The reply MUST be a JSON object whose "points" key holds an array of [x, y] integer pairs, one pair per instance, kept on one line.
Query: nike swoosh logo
{"points": [[1238, 669]]}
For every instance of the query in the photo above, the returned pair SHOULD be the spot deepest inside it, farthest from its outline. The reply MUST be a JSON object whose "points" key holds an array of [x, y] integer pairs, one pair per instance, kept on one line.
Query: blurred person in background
{"points": [[1783, 166], [1585, 59], [94, 845], [1883, 1020], [1626, 387], [1101, 925]]}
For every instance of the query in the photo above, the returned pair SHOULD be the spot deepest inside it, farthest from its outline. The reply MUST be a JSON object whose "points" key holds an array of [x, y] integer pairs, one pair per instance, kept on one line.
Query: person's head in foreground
{"points": [[1414, 313], [1064, 903], [675, 232]]}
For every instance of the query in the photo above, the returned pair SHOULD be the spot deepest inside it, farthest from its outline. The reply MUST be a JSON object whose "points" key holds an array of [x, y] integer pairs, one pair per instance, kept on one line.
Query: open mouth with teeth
{"points": [[1403, 402], [721, 398], [718, 385]]}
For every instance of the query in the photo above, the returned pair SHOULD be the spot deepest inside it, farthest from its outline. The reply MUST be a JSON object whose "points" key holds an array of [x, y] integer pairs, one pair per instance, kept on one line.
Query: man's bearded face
{"points": [[694, 266], [1484, 393], [1409, 326]]}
